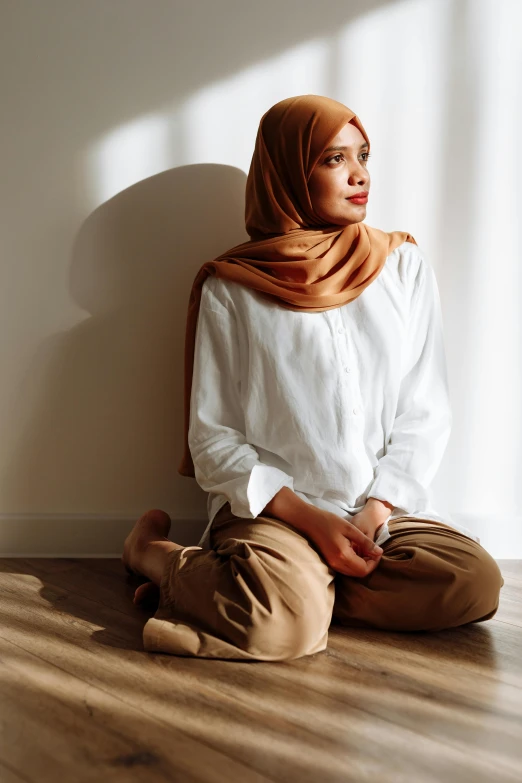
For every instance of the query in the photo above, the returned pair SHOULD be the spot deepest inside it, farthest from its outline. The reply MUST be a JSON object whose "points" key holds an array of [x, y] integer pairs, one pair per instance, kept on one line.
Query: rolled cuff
{"points": [[264, 482], [400, 489]]}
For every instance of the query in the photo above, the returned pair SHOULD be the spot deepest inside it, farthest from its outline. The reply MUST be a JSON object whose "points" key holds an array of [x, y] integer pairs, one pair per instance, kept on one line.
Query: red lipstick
{"points": [[359, 198]]}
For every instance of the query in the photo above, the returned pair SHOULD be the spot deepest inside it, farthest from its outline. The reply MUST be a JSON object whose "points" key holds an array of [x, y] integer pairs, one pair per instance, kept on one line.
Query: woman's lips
{"points": [[358, 199]]}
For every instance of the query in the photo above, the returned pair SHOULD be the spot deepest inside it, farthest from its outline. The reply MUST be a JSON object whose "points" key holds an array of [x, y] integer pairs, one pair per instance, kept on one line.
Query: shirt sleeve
{"points": [[423, 418], [223, 460]]}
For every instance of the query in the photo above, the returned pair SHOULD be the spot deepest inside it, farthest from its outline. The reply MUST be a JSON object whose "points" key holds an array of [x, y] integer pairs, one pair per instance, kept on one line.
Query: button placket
{"points": [[347, 358], [343, 346], [346, 361], [357, 407]]}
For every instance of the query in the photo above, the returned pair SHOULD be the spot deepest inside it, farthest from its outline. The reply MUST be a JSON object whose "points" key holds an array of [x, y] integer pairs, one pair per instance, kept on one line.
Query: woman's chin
{"points": [[356, 214], [349, 221]]}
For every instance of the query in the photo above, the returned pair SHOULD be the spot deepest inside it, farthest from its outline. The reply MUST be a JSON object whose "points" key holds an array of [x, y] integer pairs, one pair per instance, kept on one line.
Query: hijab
{"points": [[292, 257]]}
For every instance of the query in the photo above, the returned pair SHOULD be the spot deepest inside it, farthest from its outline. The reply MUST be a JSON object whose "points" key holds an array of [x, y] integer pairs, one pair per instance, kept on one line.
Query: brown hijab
{"points": [[292, 257]]}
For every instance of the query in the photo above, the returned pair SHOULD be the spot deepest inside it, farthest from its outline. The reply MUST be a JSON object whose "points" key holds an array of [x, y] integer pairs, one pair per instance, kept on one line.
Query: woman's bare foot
{"points": [[145, 553], [154, 525]]}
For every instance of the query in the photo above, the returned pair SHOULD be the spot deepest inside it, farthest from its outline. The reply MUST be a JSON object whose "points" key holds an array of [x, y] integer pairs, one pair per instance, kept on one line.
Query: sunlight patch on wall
{"points": [[390, 72], [496, 283], [220, 122], [126, 155]]}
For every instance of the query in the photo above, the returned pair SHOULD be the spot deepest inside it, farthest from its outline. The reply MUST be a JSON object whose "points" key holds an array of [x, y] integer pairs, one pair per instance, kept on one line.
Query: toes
{"points": [[146, 594]]}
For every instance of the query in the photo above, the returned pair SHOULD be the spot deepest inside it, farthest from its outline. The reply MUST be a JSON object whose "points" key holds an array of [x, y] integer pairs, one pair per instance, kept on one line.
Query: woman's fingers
{"points": [[350, 563], [365, 545], [358, 570]]}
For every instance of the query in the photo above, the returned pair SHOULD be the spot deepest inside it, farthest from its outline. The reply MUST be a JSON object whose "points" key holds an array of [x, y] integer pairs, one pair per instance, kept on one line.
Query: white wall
{"points": [[127, 128]]}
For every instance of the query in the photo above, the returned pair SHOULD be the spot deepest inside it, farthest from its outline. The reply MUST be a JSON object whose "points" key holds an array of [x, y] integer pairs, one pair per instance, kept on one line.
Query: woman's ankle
{"points": [[154, 558]]}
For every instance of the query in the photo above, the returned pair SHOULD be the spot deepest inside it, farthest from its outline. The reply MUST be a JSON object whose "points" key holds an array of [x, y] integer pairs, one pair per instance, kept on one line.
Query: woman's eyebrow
{"points": [[330, 149]]}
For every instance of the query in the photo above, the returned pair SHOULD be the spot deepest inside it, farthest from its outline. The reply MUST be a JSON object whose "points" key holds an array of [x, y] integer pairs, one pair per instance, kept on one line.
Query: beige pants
{"points": [[264, 591]]}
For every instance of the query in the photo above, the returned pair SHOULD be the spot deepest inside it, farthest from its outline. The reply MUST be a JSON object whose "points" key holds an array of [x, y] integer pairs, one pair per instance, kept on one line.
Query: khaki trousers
{"points": [[263, 591]]}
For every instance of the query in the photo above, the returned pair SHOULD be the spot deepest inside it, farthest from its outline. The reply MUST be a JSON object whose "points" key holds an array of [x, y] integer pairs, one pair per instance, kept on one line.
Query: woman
{"points": [[316, 415]]}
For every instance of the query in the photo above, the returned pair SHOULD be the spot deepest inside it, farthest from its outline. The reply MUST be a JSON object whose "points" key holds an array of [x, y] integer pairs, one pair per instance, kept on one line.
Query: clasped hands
{"points": [[348, 545]]}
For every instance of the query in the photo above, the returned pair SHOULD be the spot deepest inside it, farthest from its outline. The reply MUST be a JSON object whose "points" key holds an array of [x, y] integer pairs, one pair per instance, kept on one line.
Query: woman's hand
{"points": [[371, 518], [338, 539]]}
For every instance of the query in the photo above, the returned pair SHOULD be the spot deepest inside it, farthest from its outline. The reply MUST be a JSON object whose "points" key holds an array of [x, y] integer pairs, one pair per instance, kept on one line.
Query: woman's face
{"points": [[338, 175]]}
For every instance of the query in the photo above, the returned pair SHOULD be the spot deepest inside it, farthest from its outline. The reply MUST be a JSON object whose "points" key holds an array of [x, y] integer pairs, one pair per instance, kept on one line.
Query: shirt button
{"points": [[347, 369], [356, 411], [341, 331]]}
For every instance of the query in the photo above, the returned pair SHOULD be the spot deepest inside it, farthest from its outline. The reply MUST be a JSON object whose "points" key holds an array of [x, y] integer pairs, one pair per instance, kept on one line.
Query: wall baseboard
{"points": [[102, 535], [79, 535]]}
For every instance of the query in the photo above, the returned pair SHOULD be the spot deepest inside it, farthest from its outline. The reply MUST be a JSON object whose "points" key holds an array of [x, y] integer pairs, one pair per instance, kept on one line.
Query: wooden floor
{"points": [[81, 701]]}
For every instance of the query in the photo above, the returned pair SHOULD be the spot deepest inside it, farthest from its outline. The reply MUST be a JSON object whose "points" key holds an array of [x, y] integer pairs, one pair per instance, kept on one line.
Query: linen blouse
{"points": [[339, 405]]}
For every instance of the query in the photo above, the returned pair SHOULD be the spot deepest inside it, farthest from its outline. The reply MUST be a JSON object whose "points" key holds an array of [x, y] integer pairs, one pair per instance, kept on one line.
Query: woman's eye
{"points": [[337, 158]]}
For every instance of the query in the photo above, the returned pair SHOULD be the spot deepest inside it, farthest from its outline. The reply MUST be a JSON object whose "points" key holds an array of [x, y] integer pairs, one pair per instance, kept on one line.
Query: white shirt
{"points": [[339, 405]]}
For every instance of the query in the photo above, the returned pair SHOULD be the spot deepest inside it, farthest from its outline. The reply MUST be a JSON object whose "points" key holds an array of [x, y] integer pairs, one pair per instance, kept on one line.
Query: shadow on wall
{"points": [[102, 404]]}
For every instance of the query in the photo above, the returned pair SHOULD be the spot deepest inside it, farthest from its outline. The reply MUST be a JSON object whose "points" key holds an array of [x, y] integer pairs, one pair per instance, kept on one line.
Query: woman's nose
{"points": [[358, 176]]}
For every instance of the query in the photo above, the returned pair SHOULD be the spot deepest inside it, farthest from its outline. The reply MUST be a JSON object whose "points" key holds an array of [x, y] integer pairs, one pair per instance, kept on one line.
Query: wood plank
{"points": [[413, 696], [223, 722], [9, 775], [52, 694], [510, 609], [260, 696], [376, 704], [511, 568], [69, 724], [50, 713], [116, 588]]}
